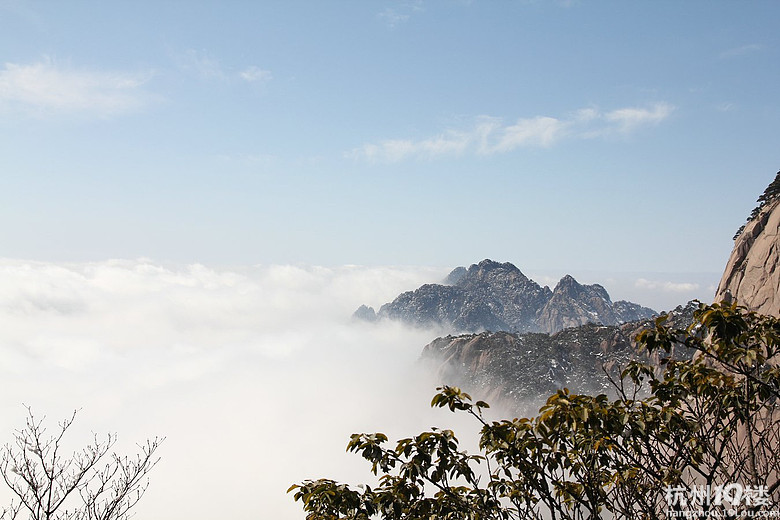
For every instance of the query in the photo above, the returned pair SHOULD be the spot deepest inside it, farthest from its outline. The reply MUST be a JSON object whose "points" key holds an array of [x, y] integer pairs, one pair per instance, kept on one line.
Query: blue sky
{"points": [[568, 136], [181, 182]]}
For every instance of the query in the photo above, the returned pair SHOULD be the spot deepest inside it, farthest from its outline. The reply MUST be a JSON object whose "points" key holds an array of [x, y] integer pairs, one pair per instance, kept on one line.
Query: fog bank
{"points": [[257, 377]]}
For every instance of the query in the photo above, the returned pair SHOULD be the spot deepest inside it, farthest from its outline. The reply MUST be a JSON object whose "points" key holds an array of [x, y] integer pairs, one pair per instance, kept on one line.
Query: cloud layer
{"points": [[490, 135], [255, 376]]}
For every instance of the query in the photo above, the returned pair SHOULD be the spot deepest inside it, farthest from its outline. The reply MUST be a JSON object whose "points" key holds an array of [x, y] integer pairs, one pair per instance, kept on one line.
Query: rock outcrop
{"points": [[573, 304], [497, 296], [519, 371], [751, 275], [364, 313]]}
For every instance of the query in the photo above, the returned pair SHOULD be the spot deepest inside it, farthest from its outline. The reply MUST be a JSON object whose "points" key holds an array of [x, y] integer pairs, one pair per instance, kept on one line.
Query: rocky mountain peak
{"points": [[365, 313], [487, 266], [573, 304], [567, 281], [455, 276], [488, 272], [571, 287], [497, 296]]}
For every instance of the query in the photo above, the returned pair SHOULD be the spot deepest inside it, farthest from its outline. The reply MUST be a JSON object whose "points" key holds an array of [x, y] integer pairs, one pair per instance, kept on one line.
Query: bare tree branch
{"points": [[91, 484]]}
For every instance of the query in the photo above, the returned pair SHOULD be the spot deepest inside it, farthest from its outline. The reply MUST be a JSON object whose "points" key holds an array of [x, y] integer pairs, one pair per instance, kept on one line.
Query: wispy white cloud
{"points": [[401, 13], [538, 132], [627, 119], [674, 287], [50, 87], [392, 17], [490, 135], [739, 51], [254, 74], [207, 67], [449, 143], [200, 64]]}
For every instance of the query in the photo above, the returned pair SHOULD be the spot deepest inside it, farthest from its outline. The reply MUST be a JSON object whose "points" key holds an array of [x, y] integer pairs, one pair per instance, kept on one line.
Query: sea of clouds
{"points": [[256, 376]]}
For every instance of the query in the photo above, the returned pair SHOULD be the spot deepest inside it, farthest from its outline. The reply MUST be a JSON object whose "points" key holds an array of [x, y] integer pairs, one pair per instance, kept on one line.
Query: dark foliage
{"points": [[770, 194], [677, 427]]}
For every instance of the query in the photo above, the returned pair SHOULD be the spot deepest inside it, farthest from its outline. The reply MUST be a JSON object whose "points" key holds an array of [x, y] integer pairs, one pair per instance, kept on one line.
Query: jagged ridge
{"points": [[499, 297]]}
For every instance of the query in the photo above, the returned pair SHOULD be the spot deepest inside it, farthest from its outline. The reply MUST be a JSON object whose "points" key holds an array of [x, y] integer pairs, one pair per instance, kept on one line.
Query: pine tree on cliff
{"points": [[771, 193]]}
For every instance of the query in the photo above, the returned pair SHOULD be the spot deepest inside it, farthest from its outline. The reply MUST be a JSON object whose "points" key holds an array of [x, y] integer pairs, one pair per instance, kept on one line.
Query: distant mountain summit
{"points": [[497, 296]]}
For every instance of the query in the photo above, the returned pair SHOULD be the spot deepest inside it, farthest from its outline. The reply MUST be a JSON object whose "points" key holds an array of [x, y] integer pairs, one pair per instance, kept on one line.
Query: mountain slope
{"points": [[519, 371]]}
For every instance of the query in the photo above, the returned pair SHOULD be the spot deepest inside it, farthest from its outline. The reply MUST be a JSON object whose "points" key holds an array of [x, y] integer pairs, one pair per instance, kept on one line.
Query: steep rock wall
{"points": [[751, 275]]}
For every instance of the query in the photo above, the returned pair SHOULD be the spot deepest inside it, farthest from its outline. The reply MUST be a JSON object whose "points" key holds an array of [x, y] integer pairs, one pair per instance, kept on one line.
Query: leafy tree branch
{"points": [[705, 419]]}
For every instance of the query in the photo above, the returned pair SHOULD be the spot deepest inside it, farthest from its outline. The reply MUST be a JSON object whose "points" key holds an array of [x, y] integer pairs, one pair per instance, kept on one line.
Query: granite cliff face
{"points": [[499, 297], [751, 275]]}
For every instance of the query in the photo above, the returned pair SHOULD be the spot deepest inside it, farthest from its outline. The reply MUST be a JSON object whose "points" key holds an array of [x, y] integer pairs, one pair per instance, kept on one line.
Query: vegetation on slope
{"points": [[771, 193]]}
